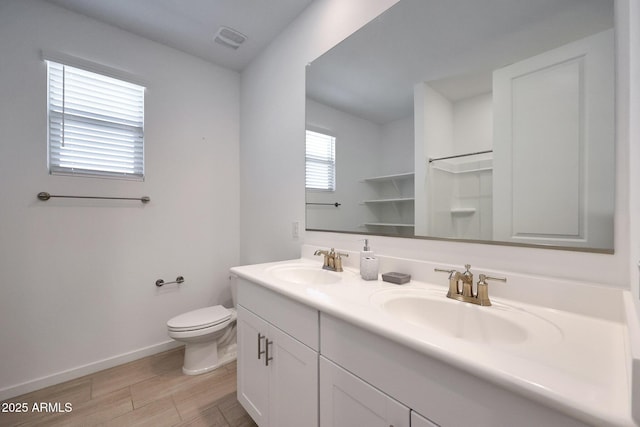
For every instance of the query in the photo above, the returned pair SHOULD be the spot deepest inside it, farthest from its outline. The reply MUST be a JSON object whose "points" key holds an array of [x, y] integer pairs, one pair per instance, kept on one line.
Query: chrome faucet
{"points": [[332, 259], [461, 286]]}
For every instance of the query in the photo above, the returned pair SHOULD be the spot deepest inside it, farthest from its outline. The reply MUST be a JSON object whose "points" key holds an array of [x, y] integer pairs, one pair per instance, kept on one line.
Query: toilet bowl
{"points": [[209, 335]]}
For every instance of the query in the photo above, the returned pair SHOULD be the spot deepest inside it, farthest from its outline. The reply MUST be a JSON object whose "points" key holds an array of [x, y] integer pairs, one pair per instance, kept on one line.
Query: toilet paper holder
{"points": [[161, 282]]}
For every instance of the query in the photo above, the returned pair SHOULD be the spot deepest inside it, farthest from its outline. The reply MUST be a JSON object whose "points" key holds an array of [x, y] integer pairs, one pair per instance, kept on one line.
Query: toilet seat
{"points": [[199, 319]]}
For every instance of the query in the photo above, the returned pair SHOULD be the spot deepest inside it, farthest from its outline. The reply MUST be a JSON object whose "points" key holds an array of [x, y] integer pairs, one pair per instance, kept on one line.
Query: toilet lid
{"points": [[198, 319]]}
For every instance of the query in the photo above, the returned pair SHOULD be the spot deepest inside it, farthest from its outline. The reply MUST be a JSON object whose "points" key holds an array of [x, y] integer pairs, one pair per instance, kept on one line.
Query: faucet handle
{"points": [[341, 254], [442, 270], [483, 288], [337, 263], [454, 278], [453, 274], [483, 279]]}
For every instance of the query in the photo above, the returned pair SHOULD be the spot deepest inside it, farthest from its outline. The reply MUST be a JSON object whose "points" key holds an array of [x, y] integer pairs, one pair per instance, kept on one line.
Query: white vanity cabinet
{"points": [[277, 358], [346, 401], [446, 395]]}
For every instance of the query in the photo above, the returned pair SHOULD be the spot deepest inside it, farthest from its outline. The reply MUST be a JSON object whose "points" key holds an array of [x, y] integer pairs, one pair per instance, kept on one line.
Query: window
{"points": [[321, 161], [96, 124]]}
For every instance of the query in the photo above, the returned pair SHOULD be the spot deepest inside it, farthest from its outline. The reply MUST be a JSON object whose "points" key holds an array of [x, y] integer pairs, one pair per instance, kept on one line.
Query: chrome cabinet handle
{"points": [[260, 338], [268, 358]]}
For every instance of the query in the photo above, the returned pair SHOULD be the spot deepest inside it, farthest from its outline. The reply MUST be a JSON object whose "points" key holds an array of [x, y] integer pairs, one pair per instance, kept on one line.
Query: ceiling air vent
{"points": [[229, 37]]}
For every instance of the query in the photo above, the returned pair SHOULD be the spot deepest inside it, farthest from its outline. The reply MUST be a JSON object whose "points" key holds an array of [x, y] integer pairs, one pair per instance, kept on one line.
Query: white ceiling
{"points": [[190, 25], [373, 72], [452, 44]]}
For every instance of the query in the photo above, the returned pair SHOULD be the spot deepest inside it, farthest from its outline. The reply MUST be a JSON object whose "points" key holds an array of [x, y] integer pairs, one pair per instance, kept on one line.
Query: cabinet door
{"points": [[418, 420], [347, 401], [253, 375], [293, 387]]}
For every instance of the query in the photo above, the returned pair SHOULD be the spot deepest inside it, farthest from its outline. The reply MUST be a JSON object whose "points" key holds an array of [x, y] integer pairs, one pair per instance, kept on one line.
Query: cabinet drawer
{"points": [[346, 401], [418, 420], [294, 318]]}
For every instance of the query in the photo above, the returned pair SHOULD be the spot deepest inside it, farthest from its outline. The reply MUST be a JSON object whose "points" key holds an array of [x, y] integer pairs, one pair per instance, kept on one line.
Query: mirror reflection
{"points": [[478, 120]]}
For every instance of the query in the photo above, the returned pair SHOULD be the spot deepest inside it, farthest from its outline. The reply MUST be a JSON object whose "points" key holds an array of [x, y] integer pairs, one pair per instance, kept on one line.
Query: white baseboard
{"points": [[80, 371]]}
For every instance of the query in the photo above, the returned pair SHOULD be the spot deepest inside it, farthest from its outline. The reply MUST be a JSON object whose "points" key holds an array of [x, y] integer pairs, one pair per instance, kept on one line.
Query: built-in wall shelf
{"points": [[393, 177], [391, 202], [396, 200], [463, 211], [464, 167]]}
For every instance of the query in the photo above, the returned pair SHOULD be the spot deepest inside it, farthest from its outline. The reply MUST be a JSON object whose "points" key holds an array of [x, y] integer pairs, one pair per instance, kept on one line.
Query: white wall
{"points": [[77, 291], [433, 138], [272, 125], [397, 147], [273, 121], [473, 124]]}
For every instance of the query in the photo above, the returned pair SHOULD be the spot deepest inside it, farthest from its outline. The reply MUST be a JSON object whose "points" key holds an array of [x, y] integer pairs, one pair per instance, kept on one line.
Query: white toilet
{"points": [[209, 335]]}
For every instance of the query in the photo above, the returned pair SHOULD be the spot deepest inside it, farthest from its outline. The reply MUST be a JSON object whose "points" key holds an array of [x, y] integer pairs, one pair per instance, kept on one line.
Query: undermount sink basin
{"points": [[496, 324], [306, 275]]}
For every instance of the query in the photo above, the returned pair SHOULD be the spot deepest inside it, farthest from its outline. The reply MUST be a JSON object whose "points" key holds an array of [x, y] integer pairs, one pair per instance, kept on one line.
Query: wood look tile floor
{"points": [[148, 392]]}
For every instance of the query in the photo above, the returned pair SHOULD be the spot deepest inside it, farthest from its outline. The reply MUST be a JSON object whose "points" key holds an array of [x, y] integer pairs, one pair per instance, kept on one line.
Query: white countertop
{"points": [[579, 365]]}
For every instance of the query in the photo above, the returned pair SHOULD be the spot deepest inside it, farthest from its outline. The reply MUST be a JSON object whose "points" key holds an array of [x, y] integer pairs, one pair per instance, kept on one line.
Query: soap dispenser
{"points": [[366, 251], [368, 263]]}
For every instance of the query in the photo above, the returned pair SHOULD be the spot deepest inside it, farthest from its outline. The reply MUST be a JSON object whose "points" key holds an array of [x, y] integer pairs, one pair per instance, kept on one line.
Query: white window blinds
{"points": [[96, 124], [320, 161]]}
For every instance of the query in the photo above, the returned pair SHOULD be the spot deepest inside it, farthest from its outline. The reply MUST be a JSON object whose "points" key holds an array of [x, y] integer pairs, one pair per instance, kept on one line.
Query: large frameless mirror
{"points": [[472, 120]]}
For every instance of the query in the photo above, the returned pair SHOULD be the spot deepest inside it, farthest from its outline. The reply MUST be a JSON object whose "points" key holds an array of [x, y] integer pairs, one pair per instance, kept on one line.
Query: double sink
{"points": [[501, 323]]}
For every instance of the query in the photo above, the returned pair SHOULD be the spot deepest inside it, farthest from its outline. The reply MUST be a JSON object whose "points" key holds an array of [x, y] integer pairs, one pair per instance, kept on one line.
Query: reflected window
{"points": [[320, 161]]}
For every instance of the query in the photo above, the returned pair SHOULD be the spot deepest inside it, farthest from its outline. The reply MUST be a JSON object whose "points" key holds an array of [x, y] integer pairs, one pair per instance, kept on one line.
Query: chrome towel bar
{"points": [[161, 282], [336, 204], [44, 196]]}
